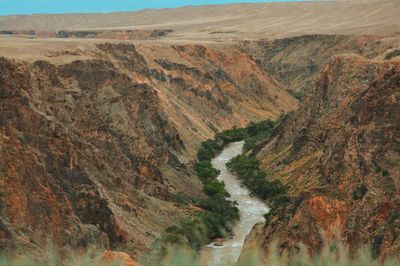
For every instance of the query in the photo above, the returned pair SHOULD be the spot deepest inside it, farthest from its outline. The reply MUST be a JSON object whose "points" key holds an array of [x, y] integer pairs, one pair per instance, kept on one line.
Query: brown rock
{"points": [[112, 257]]}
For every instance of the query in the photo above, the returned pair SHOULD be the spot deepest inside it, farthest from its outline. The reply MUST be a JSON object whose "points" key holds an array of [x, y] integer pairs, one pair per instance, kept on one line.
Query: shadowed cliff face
{"points": [[93, 151], [339, 153], [82, 148]]}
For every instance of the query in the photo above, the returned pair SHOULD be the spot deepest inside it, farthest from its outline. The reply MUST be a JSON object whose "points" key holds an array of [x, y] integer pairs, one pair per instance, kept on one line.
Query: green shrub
{"points": [[205, 170], [232, 135], [385, 173], [182, 199], [251, 142], [220, 204], [192, 232], [216, 224], [215, 221], [254, 129], [252, 134], [280, 201], [208, 150], [360, 192], [394, 216], [298, 95], [213, 187], [272, 212]]}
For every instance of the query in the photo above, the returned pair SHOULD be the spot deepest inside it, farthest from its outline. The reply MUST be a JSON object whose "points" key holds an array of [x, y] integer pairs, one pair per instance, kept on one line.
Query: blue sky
{"points": [[8, 7]]}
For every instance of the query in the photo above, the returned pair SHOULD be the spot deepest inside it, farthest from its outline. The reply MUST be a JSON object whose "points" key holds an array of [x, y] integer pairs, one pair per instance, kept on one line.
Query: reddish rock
{"points": [[113, 257]]}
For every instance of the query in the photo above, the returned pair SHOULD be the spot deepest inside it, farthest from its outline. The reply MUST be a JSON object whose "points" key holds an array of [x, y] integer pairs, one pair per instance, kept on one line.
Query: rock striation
{"points": [[339, 154]]}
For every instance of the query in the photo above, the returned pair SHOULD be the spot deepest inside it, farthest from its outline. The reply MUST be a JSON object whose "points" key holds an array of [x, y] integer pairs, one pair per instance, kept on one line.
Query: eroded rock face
{"points": [[70, 149], [340, 156], [296, 61], [94, 150]]}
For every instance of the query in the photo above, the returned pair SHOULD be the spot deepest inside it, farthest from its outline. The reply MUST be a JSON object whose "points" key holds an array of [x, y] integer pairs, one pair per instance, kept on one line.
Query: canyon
{"points": [[100, 124]]}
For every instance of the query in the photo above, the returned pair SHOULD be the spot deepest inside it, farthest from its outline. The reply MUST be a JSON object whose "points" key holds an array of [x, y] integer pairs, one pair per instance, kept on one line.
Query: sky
{"points": [[12, 7]]}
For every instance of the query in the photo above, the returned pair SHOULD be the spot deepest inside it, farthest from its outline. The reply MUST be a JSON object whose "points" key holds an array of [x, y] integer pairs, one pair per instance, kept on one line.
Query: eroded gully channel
{"points": [[251, 211]]}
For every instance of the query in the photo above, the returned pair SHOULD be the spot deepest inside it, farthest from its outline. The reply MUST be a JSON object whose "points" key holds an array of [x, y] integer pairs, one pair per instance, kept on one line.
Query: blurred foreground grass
{"points": [[332, 255]]}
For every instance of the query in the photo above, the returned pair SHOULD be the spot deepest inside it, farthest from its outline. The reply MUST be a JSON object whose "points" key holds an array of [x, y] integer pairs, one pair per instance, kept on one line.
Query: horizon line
{"points": [[155, 8]]}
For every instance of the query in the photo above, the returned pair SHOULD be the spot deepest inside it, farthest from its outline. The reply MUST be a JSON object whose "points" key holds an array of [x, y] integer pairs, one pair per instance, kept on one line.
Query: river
{"points": [[251, 211]]}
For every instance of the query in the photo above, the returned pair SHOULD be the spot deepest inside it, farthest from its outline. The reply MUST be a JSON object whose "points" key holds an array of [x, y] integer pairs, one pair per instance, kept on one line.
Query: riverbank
{"points": [[251, 211]]}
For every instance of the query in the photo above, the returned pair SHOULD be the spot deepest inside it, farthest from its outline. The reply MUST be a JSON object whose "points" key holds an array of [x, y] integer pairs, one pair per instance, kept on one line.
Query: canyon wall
{"points": [[97, 143], [339, 153]]}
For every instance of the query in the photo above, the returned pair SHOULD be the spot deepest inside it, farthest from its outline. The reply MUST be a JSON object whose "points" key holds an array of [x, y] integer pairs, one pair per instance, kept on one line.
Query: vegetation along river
{"points": [[251, 211]]}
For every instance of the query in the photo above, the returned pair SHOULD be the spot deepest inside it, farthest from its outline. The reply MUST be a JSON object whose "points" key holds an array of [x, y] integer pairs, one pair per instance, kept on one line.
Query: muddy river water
{"points": [[251, 210]]}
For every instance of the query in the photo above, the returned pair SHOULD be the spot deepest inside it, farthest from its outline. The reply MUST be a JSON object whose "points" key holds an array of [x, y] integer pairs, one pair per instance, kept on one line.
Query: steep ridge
{"points": [[339, 155], [296, 61], [96, 144]]}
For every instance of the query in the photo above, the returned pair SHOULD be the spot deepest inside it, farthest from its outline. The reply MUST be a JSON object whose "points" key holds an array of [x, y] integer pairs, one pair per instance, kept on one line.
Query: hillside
{"points": [[339, 155]]}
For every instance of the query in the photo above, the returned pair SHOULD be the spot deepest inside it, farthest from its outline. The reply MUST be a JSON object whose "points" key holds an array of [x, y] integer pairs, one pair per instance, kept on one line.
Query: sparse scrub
{"points": [[298, 95], [182, 199]]}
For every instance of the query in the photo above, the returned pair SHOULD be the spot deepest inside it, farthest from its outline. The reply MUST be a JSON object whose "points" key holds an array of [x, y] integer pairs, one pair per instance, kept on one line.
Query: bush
{"points": [[232, 135], [251, 142], [254, 129], [215, 221], [213, 187], [216, 224], [272, 212], [208, 150], [252, 134], [359, 192], [192, 232], [298, 95], [394, 216], [182, 199], [219, 204], [205, 170]]}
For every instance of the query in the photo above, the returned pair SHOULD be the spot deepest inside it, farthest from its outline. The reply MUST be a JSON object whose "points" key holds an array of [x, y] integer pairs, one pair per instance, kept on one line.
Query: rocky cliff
{"points": [[97, 142], [296, 61], [339, 154]]}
